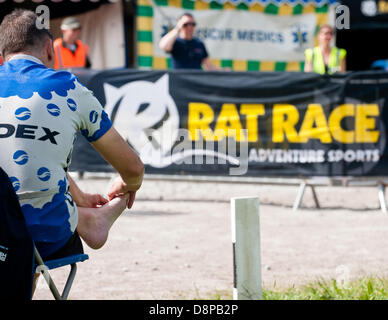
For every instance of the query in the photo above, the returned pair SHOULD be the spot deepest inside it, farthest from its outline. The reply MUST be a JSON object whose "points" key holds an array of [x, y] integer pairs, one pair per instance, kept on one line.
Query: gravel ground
{"points": [[175, 243]]}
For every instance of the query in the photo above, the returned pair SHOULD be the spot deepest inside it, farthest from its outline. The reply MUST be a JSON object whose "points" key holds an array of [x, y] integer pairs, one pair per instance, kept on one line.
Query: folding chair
{"points": [[44, 266], [16, 255]]}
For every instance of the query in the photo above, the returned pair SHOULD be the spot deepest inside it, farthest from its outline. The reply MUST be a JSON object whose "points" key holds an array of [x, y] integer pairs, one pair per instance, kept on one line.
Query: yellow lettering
{"points": [[314, 116], [285, 117], [200, 117], [229, 123], [364, 123], [336, 116], [383, 6], [252, 112]]}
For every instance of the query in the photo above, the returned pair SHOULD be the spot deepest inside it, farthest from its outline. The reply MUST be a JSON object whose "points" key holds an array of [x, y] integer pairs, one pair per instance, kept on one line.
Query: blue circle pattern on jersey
{"points": [[20, 157], [53, 109], [15, 183], [23, 113], [105, 125], [71, 104], [43, 174], [93, 116]]}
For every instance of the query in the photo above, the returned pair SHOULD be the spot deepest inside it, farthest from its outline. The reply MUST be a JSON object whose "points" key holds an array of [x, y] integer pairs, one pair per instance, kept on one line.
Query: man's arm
{"points": [[168, 40], [83, 199], [127, 163]]}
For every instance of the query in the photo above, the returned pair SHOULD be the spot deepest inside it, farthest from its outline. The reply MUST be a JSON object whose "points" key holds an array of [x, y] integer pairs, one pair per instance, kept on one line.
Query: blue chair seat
{"points": [[57, 263]]}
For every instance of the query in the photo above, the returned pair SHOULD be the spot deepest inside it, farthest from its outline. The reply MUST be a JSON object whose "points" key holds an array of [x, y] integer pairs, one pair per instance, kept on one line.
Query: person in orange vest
{"points": [[1, 60], [70, 51]]}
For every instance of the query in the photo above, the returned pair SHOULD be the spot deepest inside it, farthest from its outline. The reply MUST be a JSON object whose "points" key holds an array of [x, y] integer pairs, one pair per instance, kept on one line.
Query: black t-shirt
{"points": [[188, 54]]}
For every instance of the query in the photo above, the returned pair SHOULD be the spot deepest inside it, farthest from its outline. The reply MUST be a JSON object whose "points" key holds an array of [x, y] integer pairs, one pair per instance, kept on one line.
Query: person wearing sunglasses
{"points": [[324, 58], [187, 51]]}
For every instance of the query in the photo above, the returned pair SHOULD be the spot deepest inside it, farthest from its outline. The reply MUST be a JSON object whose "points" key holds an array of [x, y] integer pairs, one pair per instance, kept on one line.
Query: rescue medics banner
{"points": [[251, 36], [261, 36], [259, 124]]}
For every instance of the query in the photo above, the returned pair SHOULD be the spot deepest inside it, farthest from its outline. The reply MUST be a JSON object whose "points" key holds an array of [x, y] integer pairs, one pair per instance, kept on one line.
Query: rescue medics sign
{"points": [[277, 124], [246, 35], [255, 35]]}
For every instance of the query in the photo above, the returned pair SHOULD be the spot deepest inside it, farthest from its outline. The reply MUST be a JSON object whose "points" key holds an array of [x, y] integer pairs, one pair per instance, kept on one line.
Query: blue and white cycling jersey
{"points": [[41, 111]]}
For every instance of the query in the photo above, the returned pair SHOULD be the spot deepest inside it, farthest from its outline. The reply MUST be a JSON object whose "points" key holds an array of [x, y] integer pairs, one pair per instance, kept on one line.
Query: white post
{"points": [[246, 248], [382, 198]]}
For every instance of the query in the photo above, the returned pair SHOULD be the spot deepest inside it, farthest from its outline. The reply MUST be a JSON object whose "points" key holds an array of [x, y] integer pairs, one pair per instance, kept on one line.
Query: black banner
{"points": [[367, 14], [244, 123]]}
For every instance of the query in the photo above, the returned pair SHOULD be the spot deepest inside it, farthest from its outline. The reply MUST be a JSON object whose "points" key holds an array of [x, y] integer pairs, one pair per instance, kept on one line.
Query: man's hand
{"points": [[119, 188], [92, 200], [180, 24], [84, 199], [131, 200]]}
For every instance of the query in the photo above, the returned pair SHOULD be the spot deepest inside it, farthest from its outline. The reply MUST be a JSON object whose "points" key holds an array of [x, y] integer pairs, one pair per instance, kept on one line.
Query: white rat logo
{"points": [[143, 106], [145, 114]]}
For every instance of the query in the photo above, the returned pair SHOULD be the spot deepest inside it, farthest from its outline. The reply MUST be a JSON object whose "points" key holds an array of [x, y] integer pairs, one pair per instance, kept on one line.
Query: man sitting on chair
{"points": [[41, 112]]}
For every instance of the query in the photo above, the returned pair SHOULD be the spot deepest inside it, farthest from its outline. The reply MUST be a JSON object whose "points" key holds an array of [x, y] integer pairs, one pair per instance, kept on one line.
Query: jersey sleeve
{"points": [[94, 121]]}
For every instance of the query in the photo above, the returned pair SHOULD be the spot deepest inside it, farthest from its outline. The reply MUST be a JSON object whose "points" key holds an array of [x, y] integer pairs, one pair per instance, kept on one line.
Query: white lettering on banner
{"points": [[313, 156], [245, 35]]}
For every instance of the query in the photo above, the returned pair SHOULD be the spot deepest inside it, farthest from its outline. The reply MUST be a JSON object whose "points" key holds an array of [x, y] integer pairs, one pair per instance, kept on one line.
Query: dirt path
{"points": [[176, 242]]}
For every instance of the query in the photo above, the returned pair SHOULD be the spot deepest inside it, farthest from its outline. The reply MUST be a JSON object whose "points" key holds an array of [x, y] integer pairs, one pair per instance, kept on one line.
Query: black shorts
{"points": [[72, 246]]}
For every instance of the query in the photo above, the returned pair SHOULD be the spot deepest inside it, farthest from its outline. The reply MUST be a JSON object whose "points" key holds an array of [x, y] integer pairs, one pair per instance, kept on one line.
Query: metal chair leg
{"points": [[69, 281], [44, 270]]}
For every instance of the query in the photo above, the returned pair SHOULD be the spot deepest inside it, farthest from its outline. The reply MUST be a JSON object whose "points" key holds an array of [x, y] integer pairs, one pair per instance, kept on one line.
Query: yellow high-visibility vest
{"points": [[315, 56]]}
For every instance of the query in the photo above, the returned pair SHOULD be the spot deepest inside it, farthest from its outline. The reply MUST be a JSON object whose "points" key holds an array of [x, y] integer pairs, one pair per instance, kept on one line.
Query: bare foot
{"points": [[94, 223]]}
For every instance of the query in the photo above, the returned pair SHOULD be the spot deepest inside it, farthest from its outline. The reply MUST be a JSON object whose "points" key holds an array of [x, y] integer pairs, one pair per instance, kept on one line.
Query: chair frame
{"points": [[44, 266]]}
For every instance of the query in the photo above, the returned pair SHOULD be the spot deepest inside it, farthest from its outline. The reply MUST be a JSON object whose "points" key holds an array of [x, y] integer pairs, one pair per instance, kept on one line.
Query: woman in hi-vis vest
{"points": [[324, 58], [70, 51]]}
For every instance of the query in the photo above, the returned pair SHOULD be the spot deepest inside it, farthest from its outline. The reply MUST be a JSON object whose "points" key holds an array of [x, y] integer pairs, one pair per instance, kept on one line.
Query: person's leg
{"points": [[94, 223]]}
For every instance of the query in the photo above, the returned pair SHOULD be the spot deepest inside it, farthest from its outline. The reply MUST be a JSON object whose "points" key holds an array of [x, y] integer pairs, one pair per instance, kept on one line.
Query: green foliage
{"points": [[360, 289]]}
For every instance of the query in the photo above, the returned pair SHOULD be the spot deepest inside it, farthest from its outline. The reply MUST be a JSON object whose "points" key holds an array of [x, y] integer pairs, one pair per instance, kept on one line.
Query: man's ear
{"points": [[49, 50], [49, 53]]}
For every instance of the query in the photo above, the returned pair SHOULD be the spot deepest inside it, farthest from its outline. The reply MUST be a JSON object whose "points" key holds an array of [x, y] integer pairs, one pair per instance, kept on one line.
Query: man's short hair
{"points": [[19, 32], [188, 14]]}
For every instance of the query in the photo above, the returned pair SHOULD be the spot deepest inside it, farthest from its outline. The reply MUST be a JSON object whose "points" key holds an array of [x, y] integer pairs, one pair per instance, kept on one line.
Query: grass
{"points": [[359, 289]]}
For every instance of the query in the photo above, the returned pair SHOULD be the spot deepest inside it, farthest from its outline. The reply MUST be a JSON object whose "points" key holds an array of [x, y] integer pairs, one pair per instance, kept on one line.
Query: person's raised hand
{"points": [[119, 188], [180, 23]]}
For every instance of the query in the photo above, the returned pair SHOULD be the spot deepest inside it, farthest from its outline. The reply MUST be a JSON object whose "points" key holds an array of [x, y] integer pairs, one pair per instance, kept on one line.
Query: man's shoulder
{"points": [[56, 80], [192, 40], [36, 78]]}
